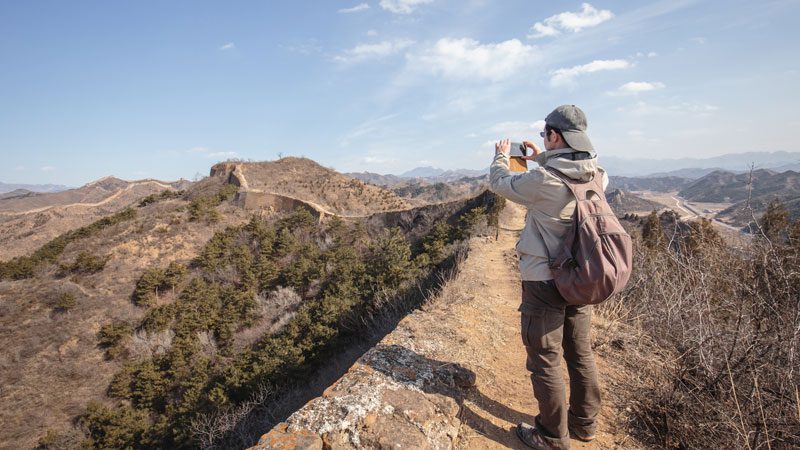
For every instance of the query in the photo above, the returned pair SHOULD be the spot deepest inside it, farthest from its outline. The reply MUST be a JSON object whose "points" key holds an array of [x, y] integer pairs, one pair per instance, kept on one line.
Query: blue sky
{"points": [[164, 89]]}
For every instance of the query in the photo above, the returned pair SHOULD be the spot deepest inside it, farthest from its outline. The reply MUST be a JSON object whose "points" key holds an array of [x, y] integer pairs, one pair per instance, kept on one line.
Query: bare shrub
{"points": [[275, 309], [238, 426], [143, 345], [61, 440], [732, 321]]}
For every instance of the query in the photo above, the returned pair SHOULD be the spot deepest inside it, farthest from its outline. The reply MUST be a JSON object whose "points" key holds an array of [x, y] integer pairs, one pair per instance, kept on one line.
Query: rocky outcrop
{"points": [[392, 397]]}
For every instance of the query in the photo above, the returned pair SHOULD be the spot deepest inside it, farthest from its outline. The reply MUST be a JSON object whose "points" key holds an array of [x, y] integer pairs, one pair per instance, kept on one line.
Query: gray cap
{"points": [[571, 121]]}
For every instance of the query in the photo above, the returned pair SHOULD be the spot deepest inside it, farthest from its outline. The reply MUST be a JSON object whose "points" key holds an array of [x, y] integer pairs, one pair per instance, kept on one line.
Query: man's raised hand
{"points": [[503, 147], [532, 146]]}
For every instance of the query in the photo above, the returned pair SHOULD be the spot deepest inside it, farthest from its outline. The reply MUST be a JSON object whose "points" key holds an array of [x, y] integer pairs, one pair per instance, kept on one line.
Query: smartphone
{"points": [[516, 163], [518, 149]]}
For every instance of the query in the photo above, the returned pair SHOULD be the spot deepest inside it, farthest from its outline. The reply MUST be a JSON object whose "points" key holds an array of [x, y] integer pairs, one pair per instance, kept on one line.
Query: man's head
{"points": [[566, 127]]}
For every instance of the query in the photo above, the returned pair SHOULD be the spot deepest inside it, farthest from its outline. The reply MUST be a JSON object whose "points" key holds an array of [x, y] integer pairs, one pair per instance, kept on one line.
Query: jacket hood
{"points": [[583, 169]]}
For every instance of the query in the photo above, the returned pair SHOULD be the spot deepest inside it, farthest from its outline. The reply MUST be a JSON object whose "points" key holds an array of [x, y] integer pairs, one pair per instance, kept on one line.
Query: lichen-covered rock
{"points": [[280, 439], [391, 398]]}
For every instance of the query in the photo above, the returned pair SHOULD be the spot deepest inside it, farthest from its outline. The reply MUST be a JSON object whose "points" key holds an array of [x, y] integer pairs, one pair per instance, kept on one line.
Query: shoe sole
{"points": [[581, 438], [519, 436]]}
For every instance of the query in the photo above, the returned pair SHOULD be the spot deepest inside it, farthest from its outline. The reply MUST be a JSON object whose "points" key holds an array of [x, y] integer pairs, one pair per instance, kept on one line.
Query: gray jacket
{"points": [[549, 202]]}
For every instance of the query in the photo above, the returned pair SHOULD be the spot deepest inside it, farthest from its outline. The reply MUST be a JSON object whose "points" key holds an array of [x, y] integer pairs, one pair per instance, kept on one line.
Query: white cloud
{"points": [[47, 168], [372, 33], [379, 50], [567, 75], [686, 108], [403, 6], [469, 59], [699, 40], [222, 155], [635, 87], [358, 8], [210, 153], [228, 46], [374, 159], [517, 130], [19, 168], [572, 22]]}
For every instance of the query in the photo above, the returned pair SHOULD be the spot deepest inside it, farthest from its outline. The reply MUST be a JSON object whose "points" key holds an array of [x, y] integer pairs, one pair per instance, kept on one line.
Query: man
{"points": [[549, 323]]}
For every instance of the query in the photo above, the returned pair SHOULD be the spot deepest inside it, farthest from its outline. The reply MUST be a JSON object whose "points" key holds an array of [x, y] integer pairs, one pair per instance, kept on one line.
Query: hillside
{"points": [[729, 187], [376, 178], [194, 286], [305, 179], [623, 202], [28, 221], [658, 184], [420, 191]]}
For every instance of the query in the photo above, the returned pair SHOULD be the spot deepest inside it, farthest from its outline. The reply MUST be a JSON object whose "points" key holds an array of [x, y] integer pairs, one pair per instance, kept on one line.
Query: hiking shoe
{"points": [[531, 437], [581, 437]]}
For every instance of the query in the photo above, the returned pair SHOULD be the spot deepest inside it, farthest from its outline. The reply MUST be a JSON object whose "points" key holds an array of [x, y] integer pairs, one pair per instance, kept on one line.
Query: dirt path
{"points": [[489, 343]]}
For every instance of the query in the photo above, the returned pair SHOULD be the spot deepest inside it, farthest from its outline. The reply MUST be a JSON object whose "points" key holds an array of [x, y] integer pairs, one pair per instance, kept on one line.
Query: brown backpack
{"points": [[595, 261]]}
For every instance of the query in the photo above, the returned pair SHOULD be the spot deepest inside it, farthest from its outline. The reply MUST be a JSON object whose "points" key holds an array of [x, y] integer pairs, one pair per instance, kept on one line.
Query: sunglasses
{"points": [[544, 133]]}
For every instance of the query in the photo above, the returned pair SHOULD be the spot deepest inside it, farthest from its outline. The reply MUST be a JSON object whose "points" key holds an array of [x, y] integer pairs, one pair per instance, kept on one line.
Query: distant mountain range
{"points": [[699, 167], [9, 187], [428, 174]]}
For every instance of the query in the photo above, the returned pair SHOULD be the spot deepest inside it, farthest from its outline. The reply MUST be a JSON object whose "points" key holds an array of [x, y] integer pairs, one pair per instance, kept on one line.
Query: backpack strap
{"points": [[579, 188]]}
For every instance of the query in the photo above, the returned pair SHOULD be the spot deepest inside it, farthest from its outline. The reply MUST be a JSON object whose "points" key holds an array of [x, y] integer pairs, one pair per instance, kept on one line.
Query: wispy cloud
{"points": [[228, 46], [378, 50], [19, 168], [469, 59], [567, 75], [372, 33], [357, 8], [47, 168], [517, 130], [636, 87], [403, 6], [685, 108], [364, 128], [572, 22], [210, 153], [306, 47]]}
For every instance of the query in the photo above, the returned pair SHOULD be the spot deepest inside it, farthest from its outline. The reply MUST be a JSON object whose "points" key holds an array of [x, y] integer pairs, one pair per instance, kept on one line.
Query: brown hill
{"points": [[624, 202], [722, 186], [304, 179], [28, 221], [420, 191]]}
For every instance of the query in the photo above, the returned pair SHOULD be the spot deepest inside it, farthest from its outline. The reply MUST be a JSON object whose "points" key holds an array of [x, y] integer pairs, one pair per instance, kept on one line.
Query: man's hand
{"points": [[502, 147], [534, 147]]}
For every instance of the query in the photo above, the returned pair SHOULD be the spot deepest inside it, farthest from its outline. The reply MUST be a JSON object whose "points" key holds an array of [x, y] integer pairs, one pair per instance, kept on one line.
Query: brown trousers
{"points": [[550, 324]]}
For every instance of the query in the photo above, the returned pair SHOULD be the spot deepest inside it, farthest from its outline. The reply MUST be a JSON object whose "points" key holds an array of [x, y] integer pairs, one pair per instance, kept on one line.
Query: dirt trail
{"points": [[489, 343]]}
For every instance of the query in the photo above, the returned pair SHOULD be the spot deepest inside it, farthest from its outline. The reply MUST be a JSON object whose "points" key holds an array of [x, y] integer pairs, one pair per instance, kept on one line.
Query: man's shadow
{"points": [[450, 379]]}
